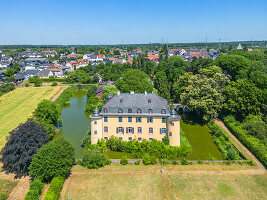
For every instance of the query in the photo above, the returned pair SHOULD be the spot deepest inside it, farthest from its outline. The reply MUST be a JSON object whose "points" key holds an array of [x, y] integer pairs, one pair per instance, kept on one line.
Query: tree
{"points": [[9, 72], [232, 63], [162, 85], [203, 92], [37, 81], [243, 98], [136, 80], [22, 144], [53, 159], [117, 53], [47, 111]]}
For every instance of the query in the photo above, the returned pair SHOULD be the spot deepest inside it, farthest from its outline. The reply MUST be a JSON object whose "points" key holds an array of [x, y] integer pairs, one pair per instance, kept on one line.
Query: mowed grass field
{"points": [[17, 106], [137, 182]]}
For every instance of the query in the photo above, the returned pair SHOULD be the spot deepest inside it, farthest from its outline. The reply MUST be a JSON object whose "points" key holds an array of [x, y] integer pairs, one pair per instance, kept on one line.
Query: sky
{"points": [[127, 22]]}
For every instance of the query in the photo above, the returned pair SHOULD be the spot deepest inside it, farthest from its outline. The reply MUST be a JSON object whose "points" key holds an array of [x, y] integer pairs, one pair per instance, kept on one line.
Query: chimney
{"points": [[118, 93], [145, 93], [132, 92]]}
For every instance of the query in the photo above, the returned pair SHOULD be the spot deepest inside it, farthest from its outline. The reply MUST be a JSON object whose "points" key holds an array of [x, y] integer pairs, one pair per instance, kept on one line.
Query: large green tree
{"points": [[162, 85], [203, 92], [243, 98], [136, 80], [53, 159]]}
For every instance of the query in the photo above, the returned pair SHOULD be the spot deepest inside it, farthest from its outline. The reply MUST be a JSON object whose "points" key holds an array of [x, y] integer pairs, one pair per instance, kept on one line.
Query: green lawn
{"points": [[163, 186]]}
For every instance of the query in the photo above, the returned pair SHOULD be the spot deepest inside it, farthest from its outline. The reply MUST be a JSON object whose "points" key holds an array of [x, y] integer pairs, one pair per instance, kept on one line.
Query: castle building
{"points": [[137, 116]]}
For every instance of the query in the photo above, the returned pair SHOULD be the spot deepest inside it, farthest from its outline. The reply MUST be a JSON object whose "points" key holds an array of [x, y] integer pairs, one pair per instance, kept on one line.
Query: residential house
{"points": [[99, 92], [45, 73]]}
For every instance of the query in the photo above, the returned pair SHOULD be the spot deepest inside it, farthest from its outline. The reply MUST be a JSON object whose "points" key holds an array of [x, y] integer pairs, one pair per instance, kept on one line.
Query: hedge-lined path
{"points": [[221, 125], [44, 191], [20, 191], [59, 93]]}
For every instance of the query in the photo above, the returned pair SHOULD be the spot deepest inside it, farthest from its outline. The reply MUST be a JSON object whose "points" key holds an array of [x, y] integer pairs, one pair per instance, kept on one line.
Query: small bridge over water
{"points": [[179, 107]]}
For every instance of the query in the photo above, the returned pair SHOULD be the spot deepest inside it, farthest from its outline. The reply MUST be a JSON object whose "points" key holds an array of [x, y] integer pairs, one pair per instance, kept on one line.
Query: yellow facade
{"points": [[107, 126]]}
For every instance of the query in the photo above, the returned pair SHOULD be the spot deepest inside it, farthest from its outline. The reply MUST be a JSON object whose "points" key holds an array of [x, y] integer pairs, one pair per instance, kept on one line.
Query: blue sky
{"points": [[113, 22]]}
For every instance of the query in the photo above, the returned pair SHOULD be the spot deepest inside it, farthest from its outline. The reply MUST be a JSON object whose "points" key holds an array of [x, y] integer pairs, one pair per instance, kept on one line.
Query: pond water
{"points": [[76, 123], [200, 138]]}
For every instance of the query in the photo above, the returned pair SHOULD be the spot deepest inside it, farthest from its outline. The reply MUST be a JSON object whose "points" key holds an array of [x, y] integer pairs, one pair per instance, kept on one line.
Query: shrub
{"points": [[184, 162], [53, 192], [53, 159], [200, 162], [3, 196], [137, 162], [5, 88], [251, 163], [27, 85], [149, 160], [232, 154], [94, 160], [124, 160], [23, 143], [175, 162], [154, 148], [54, 84], [36, 188]]}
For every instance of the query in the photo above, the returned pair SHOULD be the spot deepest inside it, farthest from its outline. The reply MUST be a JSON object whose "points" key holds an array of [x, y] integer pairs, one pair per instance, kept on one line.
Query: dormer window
{"points": [[163, 111], [139, 110], [121, 100], [120, 110], [130, 110], [149, 100], [105, 110], [150, 111]]}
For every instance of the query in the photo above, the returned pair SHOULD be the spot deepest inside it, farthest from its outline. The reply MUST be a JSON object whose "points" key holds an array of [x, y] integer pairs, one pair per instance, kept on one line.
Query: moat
{"points": [[76, 124]]}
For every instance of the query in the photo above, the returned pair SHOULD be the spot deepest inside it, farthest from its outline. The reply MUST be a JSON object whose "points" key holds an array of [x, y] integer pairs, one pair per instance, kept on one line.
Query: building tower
{"points": [[173, 125], [96, 127]]}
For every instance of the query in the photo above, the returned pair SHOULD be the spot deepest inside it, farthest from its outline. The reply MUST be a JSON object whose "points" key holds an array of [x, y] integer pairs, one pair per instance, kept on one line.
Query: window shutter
{"points": [[127, 129], [122, 130], [160, 130], [166, 131], [117, 130], [133, 129]]}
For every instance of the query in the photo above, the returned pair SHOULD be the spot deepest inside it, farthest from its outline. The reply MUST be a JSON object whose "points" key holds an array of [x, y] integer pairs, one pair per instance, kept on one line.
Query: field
{"points": [[177, 182], [6, 186], [17, 106]]}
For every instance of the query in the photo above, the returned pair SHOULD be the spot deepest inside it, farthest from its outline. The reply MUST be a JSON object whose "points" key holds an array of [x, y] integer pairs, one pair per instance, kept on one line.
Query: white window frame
{"points": [[139, 130], [150, 130], [105, 129], [120, 129]]}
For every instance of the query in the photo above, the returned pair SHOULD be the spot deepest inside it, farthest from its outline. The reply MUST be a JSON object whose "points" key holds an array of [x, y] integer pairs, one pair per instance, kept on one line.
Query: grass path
{"points": [[239, 145], [59, 93]]}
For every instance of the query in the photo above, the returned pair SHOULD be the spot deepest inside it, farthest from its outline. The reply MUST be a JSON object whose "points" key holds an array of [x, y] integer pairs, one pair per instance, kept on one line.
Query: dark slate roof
{"points": [[43, 73], [31, 71], [99, 89], [135, 101]]}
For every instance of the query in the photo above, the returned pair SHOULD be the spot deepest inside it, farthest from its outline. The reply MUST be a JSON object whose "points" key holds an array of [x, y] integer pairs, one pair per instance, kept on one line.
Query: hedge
{"points": [[36, 188], [65, 96], [53, 192], [253, 144], [54, 79], [154, 148], [222, 141]]}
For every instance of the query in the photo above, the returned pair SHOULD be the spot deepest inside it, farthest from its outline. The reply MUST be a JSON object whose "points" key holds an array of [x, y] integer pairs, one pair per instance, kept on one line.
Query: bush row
{"points": [[36, 188], [65, 96], [54, 79], [222, 141], [154, 148], [253, 144], [53, 192], [3, 196]]}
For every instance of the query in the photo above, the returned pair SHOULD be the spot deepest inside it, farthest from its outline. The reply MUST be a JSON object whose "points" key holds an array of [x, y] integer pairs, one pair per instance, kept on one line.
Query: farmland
{"points": [[17, 106], [177, 182]]}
